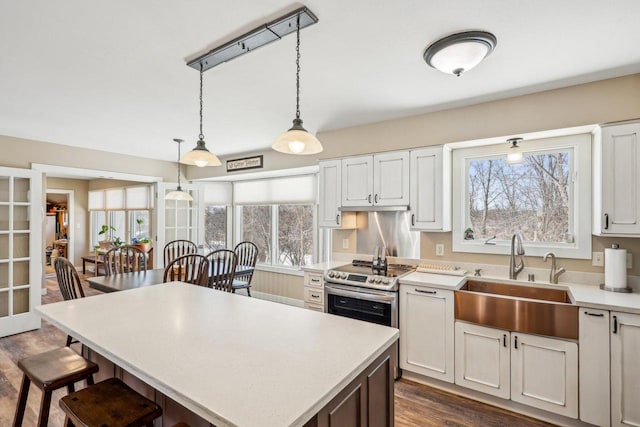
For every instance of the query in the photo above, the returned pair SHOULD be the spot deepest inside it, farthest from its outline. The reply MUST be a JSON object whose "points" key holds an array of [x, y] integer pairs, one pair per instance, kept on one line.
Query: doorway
{"points": [[58, 229]]}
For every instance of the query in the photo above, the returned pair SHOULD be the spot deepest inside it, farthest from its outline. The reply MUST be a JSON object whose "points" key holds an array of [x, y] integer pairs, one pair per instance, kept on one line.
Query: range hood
{"points": [[401, 208]]}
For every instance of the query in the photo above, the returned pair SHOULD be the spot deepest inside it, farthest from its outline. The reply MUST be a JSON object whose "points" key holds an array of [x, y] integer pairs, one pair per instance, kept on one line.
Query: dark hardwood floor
{"points": [[415, 404]]}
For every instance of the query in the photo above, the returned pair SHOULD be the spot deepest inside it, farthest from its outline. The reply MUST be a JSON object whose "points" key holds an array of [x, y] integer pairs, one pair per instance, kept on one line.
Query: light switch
{"points": [[345, 243], [597, 259]]}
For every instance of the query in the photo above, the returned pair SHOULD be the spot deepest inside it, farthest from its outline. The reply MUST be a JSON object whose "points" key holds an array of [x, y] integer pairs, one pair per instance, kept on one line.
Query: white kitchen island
{"points": [[238, 361]]}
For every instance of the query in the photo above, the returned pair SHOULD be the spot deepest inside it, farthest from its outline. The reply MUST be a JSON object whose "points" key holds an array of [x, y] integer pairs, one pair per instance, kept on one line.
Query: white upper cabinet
{"points": [[330, 193], [430, 184], [378, 180], [616, 186]]}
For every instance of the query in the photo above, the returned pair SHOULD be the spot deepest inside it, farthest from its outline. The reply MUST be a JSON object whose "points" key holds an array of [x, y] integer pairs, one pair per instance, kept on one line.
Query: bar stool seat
{"points": [[110, 403], [50, 371]]}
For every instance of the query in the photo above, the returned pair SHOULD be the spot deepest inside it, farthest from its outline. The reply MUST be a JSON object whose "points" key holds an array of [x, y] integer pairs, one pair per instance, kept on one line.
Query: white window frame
{"points": [[230, 238], [580, 194]]}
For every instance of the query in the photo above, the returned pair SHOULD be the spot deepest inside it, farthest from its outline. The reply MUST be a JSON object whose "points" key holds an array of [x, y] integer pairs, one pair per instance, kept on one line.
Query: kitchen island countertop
{"points": [[233, 360]]}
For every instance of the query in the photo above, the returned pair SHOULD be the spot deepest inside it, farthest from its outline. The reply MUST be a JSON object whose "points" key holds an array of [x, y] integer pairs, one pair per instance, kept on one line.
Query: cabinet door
{"points": [[625, 369], [620, 186], [391, 179], [544, 373], [593, 359], [357, 181], [330, 190], [483, 359], [426, 331], [430, 186]]}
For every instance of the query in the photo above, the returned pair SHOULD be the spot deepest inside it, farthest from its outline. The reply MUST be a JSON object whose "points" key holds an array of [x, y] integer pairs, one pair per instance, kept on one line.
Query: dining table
{"points": [[144, 278]]}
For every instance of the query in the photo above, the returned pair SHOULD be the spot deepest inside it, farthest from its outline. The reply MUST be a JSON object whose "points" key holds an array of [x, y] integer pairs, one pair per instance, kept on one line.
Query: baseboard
{"points": [[276, 298]]}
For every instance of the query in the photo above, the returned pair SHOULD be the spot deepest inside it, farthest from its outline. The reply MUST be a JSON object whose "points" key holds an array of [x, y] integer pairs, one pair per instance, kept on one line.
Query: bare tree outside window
{"points": [[215, 227], [532, 197], [295, 235], [256, 228]]}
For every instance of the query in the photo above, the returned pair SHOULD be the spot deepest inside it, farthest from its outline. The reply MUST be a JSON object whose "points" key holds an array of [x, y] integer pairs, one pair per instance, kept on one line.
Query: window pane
{"points": [[532, 197], [215, 227], [295, 235], [256, 228], [139, 221], [117, 221], [98, 218]]}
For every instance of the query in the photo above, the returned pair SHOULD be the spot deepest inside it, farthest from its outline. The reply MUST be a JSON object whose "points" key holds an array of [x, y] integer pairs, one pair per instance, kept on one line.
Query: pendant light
{"points": [[514, 155], [200, 156], [297, 140], [178, 193], [458, 53]]}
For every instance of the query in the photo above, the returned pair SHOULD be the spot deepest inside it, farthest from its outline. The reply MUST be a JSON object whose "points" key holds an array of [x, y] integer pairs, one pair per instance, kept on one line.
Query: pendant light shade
{"points": [[178, 193], [200, 156], [297, 140], [514, 155], [460, 52]]}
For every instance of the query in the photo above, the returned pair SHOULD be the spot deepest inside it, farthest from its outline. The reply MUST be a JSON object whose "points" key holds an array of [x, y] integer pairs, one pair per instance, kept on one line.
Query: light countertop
{"points": [[441, 281], [233, 360], [594, 297]]}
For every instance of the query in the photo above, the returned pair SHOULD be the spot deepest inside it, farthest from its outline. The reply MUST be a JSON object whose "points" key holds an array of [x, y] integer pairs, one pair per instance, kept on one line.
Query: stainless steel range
{"points": [[365, 291]]}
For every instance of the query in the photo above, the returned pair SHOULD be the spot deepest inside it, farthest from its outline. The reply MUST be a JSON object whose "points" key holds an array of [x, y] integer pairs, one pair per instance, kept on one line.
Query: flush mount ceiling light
{"points": [[200, 156], [458, 53], [178, 193], [514, 155], [297, 140]]}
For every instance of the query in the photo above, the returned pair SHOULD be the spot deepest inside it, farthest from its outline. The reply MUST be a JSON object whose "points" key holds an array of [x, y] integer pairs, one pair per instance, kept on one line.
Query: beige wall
{"points": [[285, 285], [599, 102], [80, 228]]}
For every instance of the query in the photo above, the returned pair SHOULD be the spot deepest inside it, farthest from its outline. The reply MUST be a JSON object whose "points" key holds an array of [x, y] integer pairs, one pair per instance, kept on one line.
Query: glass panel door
{"points": [[21, 222]]}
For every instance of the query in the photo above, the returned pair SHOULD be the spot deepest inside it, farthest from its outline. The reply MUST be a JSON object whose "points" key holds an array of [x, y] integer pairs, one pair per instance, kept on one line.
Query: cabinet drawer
{"points": [[313, 279], [314, 295], [314, 307]]}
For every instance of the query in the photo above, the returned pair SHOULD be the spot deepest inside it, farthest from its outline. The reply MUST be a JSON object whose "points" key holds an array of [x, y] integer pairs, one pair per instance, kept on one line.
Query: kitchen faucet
{"points": [[516, 249], [555, 272]]}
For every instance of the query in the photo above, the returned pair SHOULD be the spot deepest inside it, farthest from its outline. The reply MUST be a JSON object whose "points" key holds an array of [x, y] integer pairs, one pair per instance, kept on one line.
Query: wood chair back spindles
{"points": [[124, 259], [69, 283], [223, 267], [178, 248], [191, 268], [247, 254]]}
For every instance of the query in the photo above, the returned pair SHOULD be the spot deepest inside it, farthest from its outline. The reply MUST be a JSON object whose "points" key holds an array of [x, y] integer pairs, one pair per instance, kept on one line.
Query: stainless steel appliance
{"points": [[361, 292]]}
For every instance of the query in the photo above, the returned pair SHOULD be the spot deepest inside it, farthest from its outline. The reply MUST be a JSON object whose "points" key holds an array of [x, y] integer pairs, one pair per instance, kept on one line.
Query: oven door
{"points": [[363, 304]]}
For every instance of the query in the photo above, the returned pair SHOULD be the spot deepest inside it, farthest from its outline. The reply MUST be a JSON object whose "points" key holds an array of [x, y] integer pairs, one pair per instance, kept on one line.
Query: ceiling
{"points": [[112, 75]]}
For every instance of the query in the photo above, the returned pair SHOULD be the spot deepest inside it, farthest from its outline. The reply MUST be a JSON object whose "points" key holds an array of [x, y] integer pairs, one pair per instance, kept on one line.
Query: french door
{"points": [[21, 222], [178, 219]]}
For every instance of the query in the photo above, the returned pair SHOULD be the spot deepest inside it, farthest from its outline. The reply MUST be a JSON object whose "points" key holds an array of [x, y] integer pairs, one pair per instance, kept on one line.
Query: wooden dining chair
{"points": [[124, 259], [69, 283], [247, 254], [191, 268], [177, 248], [223, 267]]}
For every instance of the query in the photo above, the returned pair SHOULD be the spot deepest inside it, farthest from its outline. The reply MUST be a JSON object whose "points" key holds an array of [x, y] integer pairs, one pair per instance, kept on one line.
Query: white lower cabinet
{"points": [[483, 360], [537, 371], [625, 369], [426, 331], [593, 359], [544, 373], [313, 291]]}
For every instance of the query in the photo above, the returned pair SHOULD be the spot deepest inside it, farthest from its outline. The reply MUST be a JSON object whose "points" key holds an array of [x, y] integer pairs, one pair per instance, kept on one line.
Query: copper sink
{"points": [[519, 308]]}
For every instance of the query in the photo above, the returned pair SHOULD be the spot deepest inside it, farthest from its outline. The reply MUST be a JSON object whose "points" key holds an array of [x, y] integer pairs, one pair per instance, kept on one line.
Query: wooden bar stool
{"points": [[50, 371], [110, 403]]}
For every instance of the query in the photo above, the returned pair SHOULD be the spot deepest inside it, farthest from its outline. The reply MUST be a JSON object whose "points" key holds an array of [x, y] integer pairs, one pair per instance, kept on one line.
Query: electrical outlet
{"points": [[345, 243], [629, 260], [597, 259], [440, 249]]}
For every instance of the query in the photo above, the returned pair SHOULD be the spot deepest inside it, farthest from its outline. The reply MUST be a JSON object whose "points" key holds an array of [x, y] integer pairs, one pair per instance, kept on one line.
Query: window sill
{"points": [[561, 251], [292, 271]]}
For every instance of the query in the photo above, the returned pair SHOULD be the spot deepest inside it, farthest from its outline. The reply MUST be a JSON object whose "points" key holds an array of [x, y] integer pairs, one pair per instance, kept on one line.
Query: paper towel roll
{"points": [[615, 268]]}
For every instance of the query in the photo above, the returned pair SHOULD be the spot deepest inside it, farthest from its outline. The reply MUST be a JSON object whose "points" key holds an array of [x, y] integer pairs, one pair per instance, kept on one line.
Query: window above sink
{"points": [[547, 197]]}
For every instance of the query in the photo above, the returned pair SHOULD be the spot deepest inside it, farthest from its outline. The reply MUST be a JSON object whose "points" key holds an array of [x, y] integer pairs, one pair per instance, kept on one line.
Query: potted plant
{"points": [[143, 243], [107, 231]]}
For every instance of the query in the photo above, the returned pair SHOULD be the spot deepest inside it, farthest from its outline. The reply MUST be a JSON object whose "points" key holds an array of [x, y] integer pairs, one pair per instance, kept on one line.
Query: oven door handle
{"points": [[369, 296]]}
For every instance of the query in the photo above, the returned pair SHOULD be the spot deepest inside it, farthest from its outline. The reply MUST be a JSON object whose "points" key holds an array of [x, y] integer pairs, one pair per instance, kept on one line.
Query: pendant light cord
{"points": [[201, 136], [298, 68], [179, 186]]}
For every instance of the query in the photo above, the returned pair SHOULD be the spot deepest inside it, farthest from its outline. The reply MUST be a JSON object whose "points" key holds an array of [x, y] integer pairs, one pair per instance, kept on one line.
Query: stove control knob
{"points": [[331, 274], [378, 280], [343, 275], [370, 280], [385, 281]]}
